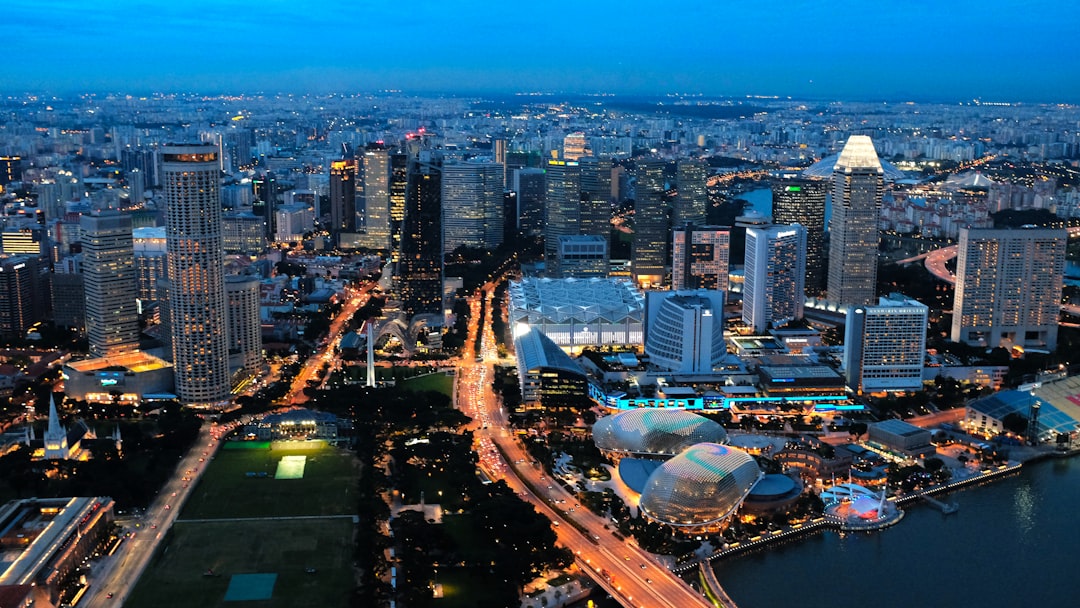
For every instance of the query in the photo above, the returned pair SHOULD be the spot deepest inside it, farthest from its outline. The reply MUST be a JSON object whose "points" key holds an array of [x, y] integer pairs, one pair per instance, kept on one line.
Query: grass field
{"points": [[432, 382], [287, 548], [328, 486]]}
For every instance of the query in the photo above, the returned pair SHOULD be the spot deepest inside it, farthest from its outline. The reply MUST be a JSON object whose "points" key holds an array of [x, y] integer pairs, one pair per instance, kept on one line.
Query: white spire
{"points": [[55, 430]]}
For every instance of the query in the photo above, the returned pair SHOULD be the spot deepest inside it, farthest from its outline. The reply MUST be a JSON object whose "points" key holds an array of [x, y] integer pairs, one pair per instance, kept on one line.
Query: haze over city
{"points": [[843, 49]]}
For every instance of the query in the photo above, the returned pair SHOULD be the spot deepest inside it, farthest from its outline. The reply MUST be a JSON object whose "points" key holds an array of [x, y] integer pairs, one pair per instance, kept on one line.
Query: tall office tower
{"points": [[1008, 287], [17, 276], [266, 197], [109, 278], [509, 214], [243, 233], [245, 328], [857, 183], [150, 256], [374, 194], [342, 197], [68, 293], [562, 204], [581, 256], [196, 262], [399, 170], [421, 268], [575, 146], [651, 227], [10, 169], [595, 196], [472, 195], [773, 289], [802, 201], [699, 257], [531, 187], [691, 206], [884, 345]]}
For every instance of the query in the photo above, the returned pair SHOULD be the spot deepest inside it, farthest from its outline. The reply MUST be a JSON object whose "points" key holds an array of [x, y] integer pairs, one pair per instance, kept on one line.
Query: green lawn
{"points": [[462, 588], [440, 383], [288, 548], [225, 490]]}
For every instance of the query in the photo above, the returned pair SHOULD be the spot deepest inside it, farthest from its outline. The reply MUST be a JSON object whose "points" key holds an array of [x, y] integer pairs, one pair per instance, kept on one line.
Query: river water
{"points": [[1013, 543]]}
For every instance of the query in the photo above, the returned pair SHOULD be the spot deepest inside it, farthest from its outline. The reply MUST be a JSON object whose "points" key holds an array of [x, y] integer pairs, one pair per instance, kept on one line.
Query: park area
{"points": [[269, 525]]}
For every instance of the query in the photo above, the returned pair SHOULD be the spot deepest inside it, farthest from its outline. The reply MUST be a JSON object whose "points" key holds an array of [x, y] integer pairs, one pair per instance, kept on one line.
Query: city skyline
{"points": [[841, 50]]}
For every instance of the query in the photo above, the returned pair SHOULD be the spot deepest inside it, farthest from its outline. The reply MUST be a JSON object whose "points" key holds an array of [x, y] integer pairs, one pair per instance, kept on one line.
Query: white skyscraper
{"points": [[374, 195], [774, 285], [196, 264], [884, 345], [1008, 287], [858, 184], [472, 210], [109, 278], [245, 329]]}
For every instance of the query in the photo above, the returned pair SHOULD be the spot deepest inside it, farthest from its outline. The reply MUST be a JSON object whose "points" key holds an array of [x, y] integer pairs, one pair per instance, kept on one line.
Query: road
{"points": [[118, 573], [632, 575]]}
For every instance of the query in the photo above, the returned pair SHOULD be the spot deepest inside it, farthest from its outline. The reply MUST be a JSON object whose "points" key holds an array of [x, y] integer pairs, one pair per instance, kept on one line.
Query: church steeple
{"points": [[56, 444]]}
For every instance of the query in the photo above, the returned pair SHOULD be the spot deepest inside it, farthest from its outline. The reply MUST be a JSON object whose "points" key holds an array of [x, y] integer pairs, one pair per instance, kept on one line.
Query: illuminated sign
{"points": [[793, 189], [108, 381]]}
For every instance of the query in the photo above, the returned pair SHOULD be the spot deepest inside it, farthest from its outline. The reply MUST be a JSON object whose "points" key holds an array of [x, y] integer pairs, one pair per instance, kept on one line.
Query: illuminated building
{"points": [[549, 377], [421, 267], [245, 328], [21, 241], [595, 210], [581, 256], [374, 191], [472, 197], [294, 221], [575, 146], [531, 187], [653, 433], [773, 292], [196, 262], [858, 184], [579, 312], [342, 197], [802, 201], [150, 261], [699, 257], [10, 170], [885, 345], [266, 197], [399, 181], [1008, 287], [692, 204], [127, 378], [243, 232], [685, 330], [109, 281], [562, 204], [17, 313], [649, 251]]}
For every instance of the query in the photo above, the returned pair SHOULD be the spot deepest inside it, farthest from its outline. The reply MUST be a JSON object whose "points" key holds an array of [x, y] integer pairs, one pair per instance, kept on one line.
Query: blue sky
{"points": [[944, 50]]}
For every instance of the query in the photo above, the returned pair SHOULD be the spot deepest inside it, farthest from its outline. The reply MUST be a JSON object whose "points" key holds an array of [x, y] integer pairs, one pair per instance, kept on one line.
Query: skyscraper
{"points": [[421, 267], [531, 187], [196, 274], [472, 197], [1008, 287], [575, 146], [399, 169], [692, 204], [374, 192], [109, 280], [595, 213], [342, 197], [651, 229], [562, 204], [773, 290], [17, 276], [802, 201], [151, 254], [858, 184], [245, 329], [885, 345], [699, 257]]}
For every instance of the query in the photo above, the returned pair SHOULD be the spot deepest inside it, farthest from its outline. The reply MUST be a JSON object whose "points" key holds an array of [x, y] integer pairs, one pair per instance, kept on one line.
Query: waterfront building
{"points": [[472, 201], [903, 437], [699, 257], [773, 287], [196, 263], [651, 227], [802, 201], [1008, 287], [652, 433], [857, 188], [109, 281], [885, 345]]}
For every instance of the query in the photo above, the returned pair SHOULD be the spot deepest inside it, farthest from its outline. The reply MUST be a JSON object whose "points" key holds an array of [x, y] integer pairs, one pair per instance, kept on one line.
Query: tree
{"points": [[857, 429]]}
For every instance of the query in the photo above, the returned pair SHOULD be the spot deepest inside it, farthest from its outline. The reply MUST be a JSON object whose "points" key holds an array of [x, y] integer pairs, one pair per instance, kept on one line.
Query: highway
{"points": [[632, 575]]}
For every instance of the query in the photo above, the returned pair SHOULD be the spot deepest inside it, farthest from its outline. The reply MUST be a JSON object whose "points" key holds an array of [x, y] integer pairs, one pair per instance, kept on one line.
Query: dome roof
{"points": [[701, 486], [655, 431]]}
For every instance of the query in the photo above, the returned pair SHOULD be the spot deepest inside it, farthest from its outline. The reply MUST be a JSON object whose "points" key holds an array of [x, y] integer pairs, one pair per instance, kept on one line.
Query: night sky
{"points": [[952, 50]]}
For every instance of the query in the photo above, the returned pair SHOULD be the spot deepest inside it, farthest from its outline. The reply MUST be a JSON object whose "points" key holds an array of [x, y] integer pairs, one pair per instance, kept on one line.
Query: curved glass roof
{"points": [[702, 486], [655, 431], [576, 300]]}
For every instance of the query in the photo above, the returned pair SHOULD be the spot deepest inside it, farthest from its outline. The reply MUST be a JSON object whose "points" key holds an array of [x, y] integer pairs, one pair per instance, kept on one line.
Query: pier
{"points": [[945, 508]]}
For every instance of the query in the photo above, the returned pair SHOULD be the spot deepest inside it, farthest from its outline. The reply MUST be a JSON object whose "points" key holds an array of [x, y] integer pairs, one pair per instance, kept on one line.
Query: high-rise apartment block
{"points": [[109, 280], [699, 257], [1008, 287], [196, 264], [885, 345], [857, 187], [802, 201], [773, 289]]}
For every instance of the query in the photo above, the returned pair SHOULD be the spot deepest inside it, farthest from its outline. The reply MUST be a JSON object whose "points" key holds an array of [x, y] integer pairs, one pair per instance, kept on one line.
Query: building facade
{"points": [[342, 197], [581, 256], [109, 281], [472, 201], [421, 267], [245, 329], [857, 186], [802, 201], [885, 345], [699, 257], [692, 204], [649, 251], [773, 288]]}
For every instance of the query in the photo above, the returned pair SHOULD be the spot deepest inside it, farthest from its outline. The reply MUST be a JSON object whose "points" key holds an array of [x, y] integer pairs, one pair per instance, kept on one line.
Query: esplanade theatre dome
{"points": [[653, 432], [699, 488]]}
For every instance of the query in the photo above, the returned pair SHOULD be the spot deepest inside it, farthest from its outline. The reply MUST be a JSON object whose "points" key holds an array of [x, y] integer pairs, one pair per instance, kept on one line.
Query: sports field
{"points": [[180, 576], [241, 483], [440, 383]]}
